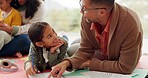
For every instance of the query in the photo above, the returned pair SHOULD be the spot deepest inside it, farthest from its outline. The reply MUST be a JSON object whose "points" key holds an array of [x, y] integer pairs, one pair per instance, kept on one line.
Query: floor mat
{"points": [[20, 73], [143, 62]]}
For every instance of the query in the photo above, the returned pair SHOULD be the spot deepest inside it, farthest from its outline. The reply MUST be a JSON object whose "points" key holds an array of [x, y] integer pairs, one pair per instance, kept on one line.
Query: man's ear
{"points": [[8, 0], [102, 12], [39, 44]]}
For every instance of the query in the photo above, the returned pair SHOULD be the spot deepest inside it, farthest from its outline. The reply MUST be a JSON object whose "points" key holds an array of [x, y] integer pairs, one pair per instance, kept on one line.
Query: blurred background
{"points": [[65, 17]]}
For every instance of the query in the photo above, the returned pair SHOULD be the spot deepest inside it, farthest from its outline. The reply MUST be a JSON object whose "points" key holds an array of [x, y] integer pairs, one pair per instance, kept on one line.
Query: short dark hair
{"points": [[36, 31], [107, 3]]}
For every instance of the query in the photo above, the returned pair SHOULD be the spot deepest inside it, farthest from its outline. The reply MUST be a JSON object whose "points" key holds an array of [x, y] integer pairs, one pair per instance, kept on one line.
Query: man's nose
{"points": [[81, 11]]}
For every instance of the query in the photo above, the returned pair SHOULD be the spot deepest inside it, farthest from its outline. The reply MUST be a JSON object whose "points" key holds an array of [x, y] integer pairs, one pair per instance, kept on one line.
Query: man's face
{"points": [[90, 11], [87, 10]]}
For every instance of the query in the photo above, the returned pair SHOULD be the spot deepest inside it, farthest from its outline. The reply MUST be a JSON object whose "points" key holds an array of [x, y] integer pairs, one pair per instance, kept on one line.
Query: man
{"points": [[113, 31]]}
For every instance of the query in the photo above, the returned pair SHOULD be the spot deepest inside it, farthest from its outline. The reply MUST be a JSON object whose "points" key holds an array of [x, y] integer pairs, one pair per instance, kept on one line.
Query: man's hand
{"points": [[6, 27], [59, 69], [53, 49], [85, 64]]}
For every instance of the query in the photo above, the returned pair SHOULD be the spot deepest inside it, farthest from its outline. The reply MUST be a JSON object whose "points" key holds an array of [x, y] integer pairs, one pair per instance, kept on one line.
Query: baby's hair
{"points": [[36, 31]]}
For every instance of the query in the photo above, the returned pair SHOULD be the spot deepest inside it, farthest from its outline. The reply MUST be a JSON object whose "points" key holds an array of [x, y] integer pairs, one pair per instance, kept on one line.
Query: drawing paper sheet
{"points": [[138, 73]]}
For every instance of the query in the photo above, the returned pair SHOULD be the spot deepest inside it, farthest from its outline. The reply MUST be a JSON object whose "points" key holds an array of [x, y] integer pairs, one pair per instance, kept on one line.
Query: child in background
{"points": [[9, 16], [47, 49]]}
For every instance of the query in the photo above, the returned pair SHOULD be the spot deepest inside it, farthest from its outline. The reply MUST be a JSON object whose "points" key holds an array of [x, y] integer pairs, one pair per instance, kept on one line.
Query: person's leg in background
{"points": [[4, 38], [74, 46], [20, 43], [76, 41], [72, 49]]}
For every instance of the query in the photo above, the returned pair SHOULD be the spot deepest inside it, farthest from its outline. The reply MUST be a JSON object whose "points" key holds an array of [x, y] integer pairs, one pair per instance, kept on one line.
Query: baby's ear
{"points": [[39, 44]]}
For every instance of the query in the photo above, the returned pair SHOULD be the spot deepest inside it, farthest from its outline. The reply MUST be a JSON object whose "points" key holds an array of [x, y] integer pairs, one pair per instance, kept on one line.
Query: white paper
{"points": [[42, 75], [77, 77], [87, 74], [96, 74]]}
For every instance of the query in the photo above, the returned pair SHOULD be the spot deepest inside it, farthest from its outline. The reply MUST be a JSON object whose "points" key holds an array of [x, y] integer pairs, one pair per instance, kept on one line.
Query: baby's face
{"points": [[50, 38]]}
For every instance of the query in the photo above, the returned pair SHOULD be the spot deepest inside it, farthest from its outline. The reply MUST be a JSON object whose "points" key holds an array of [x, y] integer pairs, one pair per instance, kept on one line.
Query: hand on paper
{"points": [[30, 70], [59, 69]]}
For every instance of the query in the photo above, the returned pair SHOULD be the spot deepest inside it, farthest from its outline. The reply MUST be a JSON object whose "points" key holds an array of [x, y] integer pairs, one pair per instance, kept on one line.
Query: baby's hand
{"points": [[54, 48]]}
